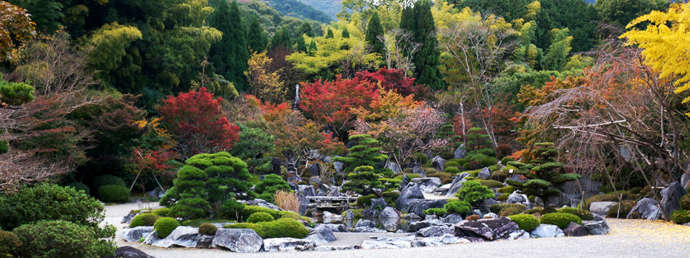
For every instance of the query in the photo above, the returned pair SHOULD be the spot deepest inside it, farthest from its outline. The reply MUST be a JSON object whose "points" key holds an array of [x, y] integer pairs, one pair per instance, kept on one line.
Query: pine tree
{"points": [[312, 48], [345, 34], [426, 60], [329, 34], [301, 46], [374, 30], [365, 152], [281, 39], [256, 36], [229, 56]]}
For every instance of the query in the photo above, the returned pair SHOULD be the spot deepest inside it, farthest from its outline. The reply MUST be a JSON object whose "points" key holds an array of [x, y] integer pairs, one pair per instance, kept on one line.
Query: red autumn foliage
{"points": [[197, 122], [332, 102], [393, 79]]}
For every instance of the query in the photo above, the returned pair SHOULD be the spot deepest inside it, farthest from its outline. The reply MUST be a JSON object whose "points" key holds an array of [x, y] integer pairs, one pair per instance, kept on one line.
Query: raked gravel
{"points": [[628, 238]]}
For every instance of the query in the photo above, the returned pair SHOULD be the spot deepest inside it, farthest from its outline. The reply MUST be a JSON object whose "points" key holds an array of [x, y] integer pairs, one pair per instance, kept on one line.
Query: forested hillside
{"points": [[329, 7]]}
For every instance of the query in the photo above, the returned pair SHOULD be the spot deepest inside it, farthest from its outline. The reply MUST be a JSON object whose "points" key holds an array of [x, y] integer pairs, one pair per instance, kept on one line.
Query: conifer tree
{"points": [[281, 39], [306, 30], [374, 30], [365, 152], [329, 34], [256, 36], [301, 46], [229, 56], [426, 60], [345, 34], [312, 48]]}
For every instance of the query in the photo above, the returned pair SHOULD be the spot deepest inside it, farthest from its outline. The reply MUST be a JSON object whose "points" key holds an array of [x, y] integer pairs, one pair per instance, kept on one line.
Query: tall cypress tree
{"points": [[374, 30], [281, 39], [301, 46], [419, 21], [306, 29], [329, 34], [256, 36], [230, 55], [345, 34], [426, 60]]}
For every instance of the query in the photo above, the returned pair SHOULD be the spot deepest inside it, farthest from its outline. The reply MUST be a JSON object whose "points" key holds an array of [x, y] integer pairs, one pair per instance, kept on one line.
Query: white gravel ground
{"points": [[628, 238]]}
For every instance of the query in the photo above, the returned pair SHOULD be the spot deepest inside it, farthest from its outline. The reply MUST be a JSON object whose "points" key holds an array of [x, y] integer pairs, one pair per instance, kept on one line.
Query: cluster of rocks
{"points": [[647, 208]]}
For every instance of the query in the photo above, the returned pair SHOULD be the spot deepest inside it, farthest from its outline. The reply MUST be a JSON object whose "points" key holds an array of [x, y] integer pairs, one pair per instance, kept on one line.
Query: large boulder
{"points": [[438, 163], [460, 152], [435, 231], [389, 219], [419, 206], [485, 173], [446, 239], [204, 241], [546, 230], [457, 184], [407, 195], [393, 166], [129, 252], [670, 198], [287, 244], [488, 229], [647, 208], [601, 208], [452, 219], [575, 229], [182, 236], [241, 240], [339, 167], [136, 233], [349, 219], [321, 235], [520, 234], [597, 226], [427, 184], [368, 226], [261, 203], [330, 218], [331, 227], [518, 197]]}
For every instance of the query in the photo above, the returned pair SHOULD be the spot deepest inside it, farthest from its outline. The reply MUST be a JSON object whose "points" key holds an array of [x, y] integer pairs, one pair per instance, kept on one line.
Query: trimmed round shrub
{"points": [[107, 180], [56, 238], [583, 214], [49, 202], [457, 206], [491, 183], [164, 226], [163, 212], [503, 197], [113, 193], [560, 219], [190, 208], [259, 217], [270, 185], [680, 216], [452, 170], [144, 219], [207, 229], [9, 243], [685, 202], [436, 211], [284, 227], [527, 222], [474, 192]]}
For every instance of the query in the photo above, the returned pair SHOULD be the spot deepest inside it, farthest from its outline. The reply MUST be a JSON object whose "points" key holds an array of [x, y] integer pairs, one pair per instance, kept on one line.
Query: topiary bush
{"points": [[207, 229], [231, 209], [490, 183], [15, 93], [680, 216], [560, 219], [164, 226], [190, 208], [363, 180], [9, 244], [56, 238], [685, 202], [527, 222], [99, 181], [474, 192], [113, 193], [511, 211], [271, 184], [251, 209], [583, 214], [436, 211], [457, 206], [259, 217], [143, 219], [162, 212], [49, 202], [284, 227]]}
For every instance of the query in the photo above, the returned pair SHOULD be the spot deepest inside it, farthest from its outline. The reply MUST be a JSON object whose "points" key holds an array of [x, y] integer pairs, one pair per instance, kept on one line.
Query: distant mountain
{"points": [[297, 9], [329, 7]]}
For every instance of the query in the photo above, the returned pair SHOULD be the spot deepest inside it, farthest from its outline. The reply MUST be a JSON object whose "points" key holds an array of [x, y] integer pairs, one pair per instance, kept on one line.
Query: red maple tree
{"points": [[196, 121], [393, 79]]}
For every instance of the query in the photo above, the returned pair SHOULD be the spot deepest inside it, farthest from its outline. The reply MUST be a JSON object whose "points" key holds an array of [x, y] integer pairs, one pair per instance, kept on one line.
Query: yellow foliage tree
{"points": [[665, 43], [264, 84]]}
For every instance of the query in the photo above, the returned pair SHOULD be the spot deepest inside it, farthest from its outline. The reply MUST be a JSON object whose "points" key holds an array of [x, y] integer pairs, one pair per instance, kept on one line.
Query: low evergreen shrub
{"points": [[56, 238], [144, 219], [560, 219], [164, 226], [474, 192], [458, 207], [284, 227], [99, 181], [162, 212], [436, 211], [583, 214], [207, 229], [685, 202], [113, 193], [527, 222], [259, 217], [9, 243], [680, 216]]}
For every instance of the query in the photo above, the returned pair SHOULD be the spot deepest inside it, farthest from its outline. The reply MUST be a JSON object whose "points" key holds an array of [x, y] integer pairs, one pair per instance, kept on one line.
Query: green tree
{"points": [[301, 46], [508, 9], [621, 12], [253, 146], [420, 22], [256, 36], [47, 14], [306, 29], [281, 39], [557, 55], [578, 16], [366, 151], [110, 44], [374, 31], [229, 56], [345, 34], [329, 34]]}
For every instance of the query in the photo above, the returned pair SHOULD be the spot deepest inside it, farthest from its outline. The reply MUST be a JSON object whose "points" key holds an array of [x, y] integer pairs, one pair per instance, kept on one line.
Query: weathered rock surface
{"points": [[438, 163], [596, 227], [239, 240], [518, 197], [670, 198], [485, 173], [287, 244], [489, 229], [446, 239], [648, 208], [546, 230], [575, 230], [182, 236], [601, 208], [204, 241], [407, 195], [393, 166], [435, 231], [388, 242], [389, 219], [262, 203], [460, 152], [321, 235], [419, 206], [452, 219], [457, 184], [427, 184], [520, 234], [129, 252], [330, 218], [136, 233]]}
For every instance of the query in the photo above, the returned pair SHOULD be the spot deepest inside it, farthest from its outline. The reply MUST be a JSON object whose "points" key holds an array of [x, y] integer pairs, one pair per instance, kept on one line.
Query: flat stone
{"points": [[330, 218], [452, 219], [596, 227], [321, 235], [129, 252], [241, 240], [182, 236], [427, 184], [489, 229], [546, 230], [520, 234], [601, 208], [287, 244], [435, 231]]}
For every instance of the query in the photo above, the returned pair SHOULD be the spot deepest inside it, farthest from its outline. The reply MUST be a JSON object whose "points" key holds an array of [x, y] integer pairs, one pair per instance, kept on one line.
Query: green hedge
{"points": [[144, 219], [113, 193], [56, 238], [164, 226], [458, 207], [527, 222], [560, 219], [681, 216], [583, 214], [250, 209], [284, 227], [163, 212], [436, 211], [259, 217]]}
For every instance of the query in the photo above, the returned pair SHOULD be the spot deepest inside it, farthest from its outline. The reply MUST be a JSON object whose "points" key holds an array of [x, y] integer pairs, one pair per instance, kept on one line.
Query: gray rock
{"points": [[435, 231], [520, 234], [204, 241], [490, 215], [460, 152], [427, 184], [240, 240], [670, 199], [388, 243], [129, 252], [407, 195], [457, 184], [315, 169], [517, 178], [349, 219], [128, 218], [443, 189], [685, 180], [452, 219], [575, 229], [321, 235], [438, 163], [601, 208], [488, 229], [419, 171], [546, 230], [596, 227], [411, 217], [287, 244], [339, 167], [485, 173], [378, 203], [518, 197], [368, 230], [419, 206], [136, 233], [389, 219], [365, 223], [648, 208], [331, 227], [182, 236], [485, 205], [395, 167], [446, 239], [329, 218], [262, 203]]}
